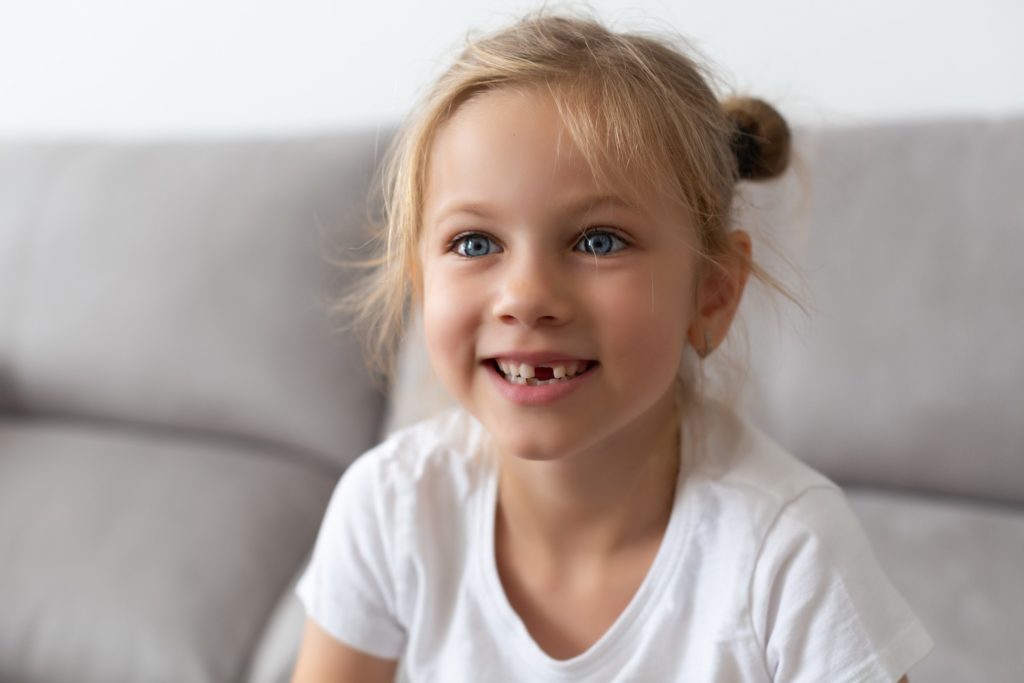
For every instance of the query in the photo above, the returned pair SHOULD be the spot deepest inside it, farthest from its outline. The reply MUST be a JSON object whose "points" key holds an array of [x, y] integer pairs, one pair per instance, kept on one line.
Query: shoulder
{"points": [[787, 506], [745, 472], [814, 584], [388, 502], [790, 501], [444, 452], [361, 584], [746, 457], [818, 588]]}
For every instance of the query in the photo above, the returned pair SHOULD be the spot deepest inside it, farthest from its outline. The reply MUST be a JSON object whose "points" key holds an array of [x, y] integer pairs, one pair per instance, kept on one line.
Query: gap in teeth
{"points": [[524, 373]]}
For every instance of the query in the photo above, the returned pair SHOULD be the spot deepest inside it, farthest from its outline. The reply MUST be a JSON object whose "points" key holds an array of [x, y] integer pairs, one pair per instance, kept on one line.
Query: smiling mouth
{"points": [[537, 375]]}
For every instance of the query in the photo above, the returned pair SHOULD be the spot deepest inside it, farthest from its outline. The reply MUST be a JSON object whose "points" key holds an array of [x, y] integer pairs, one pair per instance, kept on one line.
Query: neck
{"points": [[595, 503]]}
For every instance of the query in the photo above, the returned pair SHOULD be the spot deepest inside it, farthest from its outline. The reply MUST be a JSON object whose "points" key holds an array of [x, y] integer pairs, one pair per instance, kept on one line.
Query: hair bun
{"points": [[760, 140]]}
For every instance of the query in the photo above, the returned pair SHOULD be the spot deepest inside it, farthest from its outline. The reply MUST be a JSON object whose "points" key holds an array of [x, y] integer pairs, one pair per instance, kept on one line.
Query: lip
{"points": [[544, 394]]}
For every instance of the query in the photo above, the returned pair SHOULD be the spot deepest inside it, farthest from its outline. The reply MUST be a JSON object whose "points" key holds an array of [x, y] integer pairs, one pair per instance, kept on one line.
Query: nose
{"points": [[533, 291]]}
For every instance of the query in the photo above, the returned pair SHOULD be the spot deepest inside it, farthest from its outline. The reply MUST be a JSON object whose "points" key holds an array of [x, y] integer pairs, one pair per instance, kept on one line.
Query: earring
{"points": [[707, 344]]}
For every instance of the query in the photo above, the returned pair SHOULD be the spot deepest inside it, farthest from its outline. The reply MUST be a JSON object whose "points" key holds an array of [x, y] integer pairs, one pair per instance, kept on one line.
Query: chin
{"points": [[535, 448]]}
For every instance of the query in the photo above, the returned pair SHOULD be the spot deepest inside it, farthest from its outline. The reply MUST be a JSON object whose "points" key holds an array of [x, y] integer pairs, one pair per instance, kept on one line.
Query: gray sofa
{"points": [[176, 401]]}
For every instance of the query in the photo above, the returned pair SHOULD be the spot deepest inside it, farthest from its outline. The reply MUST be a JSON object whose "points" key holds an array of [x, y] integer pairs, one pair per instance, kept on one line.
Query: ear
{"points": [[719, 290]]}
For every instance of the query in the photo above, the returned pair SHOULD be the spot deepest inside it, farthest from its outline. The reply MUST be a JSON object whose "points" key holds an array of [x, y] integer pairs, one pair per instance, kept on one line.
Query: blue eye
{"points": [[473, 244], [600, 243]]}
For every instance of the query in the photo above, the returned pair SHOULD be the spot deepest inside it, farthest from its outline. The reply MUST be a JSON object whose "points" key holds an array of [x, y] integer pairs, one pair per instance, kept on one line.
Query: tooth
{"points": [[504, 366], [520, 380], [558, 371], [526, 370]]}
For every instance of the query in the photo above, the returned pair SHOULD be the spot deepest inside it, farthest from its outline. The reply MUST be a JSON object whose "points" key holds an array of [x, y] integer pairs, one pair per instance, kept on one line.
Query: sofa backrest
{"points": [[186, 286], [909, 372]]}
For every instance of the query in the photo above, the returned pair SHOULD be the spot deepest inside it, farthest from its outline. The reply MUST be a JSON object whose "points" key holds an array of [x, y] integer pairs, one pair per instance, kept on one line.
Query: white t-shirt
{"points": [[763, 574]]}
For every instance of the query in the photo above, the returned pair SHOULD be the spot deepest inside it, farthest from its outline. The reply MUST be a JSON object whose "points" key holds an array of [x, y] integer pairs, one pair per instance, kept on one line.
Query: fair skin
{"points": [[587, 462], [586, 480]]}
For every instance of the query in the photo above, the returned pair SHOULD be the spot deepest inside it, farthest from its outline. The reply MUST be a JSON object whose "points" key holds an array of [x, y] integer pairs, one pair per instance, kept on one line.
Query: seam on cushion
{"points": [[254, 445]]}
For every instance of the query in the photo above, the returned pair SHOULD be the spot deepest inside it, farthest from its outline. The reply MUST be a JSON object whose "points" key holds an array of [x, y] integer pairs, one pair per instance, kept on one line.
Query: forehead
{"points": [[511, 143], [499, 134]]}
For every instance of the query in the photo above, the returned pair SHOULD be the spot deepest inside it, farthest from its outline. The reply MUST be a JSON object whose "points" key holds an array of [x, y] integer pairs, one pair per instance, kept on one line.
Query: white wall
{"points": [[208, 67]]}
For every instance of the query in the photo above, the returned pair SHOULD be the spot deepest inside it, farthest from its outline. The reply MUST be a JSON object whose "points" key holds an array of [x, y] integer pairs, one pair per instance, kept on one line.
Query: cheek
{"points": [[450, 320], [647, 318]]}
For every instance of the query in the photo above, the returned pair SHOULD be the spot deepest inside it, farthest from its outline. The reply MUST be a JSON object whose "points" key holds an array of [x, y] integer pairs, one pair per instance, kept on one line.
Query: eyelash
{"points": [[461, 239], [618, 242], [589, 234]]}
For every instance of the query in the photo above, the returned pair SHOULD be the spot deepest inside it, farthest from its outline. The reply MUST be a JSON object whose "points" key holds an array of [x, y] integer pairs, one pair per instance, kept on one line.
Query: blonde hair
{"points": [[625, 97]]}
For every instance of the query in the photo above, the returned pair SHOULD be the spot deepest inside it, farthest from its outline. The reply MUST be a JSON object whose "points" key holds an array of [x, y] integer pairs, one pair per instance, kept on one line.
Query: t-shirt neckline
{"points": [[624, 629]]}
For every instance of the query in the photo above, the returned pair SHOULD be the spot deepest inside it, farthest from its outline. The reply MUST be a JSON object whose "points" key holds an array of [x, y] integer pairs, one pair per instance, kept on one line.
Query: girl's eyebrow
{"points": [[480, 209], [602, 201], [574, 207]]}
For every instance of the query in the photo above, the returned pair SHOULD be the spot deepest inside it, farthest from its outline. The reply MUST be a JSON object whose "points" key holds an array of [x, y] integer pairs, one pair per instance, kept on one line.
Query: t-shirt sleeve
{"points": [[821, 605], [349, 587]]}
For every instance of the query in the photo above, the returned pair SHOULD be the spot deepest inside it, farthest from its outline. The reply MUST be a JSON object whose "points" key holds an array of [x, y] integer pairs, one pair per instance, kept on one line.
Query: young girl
{"points": [[559, 210]]}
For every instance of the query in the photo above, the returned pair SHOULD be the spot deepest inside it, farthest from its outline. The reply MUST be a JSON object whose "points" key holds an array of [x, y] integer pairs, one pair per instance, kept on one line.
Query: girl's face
{"points": [[529, 266]]}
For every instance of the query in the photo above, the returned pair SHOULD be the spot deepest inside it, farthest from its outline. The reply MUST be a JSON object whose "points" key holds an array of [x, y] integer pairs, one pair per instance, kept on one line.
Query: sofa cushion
{"points": [[958, 565], [187, 285], [143, 555]]}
